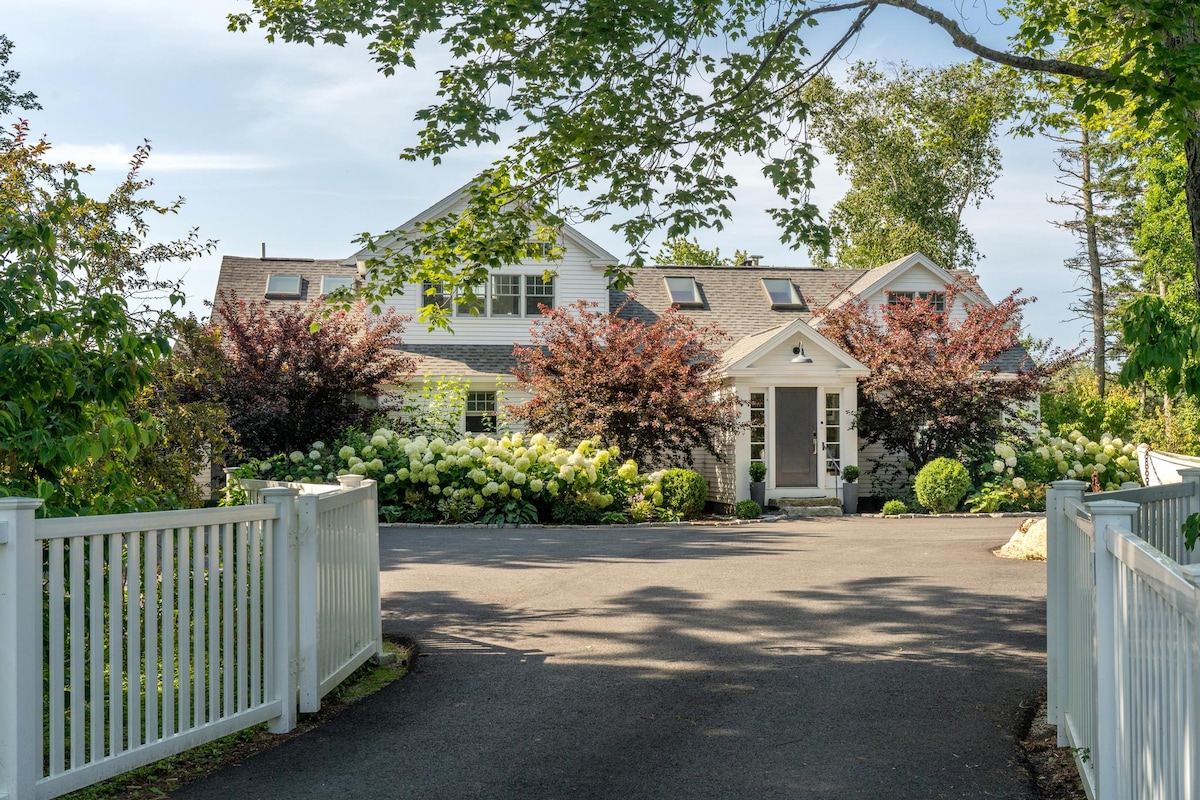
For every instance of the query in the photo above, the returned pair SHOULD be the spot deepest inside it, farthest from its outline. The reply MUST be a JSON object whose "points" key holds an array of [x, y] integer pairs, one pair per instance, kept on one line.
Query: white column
{"points": [[1106, 516], [20, 649]]}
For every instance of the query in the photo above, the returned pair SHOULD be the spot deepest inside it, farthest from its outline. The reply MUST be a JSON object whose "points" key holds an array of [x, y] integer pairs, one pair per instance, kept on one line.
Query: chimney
{"points": [[752, 261], [264, 251]]}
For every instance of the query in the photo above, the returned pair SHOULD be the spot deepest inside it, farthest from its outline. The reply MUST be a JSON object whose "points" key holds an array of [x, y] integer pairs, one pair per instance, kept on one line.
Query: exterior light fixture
{"points": [[800, 358]]}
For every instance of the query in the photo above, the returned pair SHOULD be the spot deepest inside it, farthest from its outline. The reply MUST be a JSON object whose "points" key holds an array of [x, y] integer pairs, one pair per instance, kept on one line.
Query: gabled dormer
{"points": [[502, 310]]}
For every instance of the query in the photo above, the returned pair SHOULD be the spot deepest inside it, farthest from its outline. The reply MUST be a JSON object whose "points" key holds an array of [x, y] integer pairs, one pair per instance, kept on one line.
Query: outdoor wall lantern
{"points": [[800, 357]]}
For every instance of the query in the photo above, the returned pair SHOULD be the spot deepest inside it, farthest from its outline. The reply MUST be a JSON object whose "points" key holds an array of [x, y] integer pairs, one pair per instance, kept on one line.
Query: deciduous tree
{"points": [[684, 251], [645, 106], [919, 148], [649, 388], [298, 373], [75, 358], [931, 391]]}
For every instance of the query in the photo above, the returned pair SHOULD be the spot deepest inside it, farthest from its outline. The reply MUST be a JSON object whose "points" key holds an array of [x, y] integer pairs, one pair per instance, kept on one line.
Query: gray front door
{"points": [[796, 436]]}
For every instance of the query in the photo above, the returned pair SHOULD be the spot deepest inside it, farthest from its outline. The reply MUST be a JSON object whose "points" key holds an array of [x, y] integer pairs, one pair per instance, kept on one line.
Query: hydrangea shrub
{"points": [[1013, 476], [475, 472]]}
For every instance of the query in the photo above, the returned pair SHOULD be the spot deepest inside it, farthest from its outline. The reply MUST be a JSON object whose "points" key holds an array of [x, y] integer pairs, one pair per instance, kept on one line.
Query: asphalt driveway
{"points": [[839, 658]]}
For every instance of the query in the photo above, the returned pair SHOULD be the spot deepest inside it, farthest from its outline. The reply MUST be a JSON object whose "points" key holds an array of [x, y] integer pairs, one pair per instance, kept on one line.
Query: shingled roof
{"points": [[734, 297], [248, 276], [463, 360]]}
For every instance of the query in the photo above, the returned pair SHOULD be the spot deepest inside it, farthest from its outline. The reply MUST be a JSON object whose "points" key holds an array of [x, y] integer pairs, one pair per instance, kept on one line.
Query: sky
{"points": [[297, 147]]}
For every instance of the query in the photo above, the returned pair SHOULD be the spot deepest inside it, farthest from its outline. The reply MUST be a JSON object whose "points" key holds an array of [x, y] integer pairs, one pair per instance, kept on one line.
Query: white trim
{"points": [[852, 367], [600, 257], [880, 277]]}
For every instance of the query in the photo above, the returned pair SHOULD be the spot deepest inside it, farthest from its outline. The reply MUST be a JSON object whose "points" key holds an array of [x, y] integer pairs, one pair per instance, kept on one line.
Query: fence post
{"points": [[1106, 515], [1056, 597], [20, 649], [308, 673], [285, 571], [371, 520]]}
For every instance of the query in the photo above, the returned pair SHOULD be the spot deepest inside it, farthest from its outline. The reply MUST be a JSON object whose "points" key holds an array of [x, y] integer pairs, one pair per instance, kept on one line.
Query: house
{"points": [[797, 387]]}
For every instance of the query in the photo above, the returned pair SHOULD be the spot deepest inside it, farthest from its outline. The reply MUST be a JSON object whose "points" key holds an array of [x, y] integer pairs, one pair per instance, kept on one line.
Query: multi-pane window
{"points": [[506, 295], [936, 299], [538, 291], [758, 427], [435, 294], [471, 302], [481, 412], [833, 433]]}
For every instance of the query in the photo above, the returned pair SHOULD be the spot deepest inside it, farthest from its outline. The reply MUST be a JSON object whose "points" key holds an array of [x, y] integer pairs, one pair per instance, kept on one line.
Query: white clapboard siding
{"points": [[575, 279]]}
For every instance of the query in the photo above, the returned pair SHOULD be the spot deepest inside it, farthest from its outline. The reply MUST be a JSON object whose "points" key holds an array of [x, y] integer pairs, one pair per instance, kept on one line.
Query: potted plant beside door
{"points": [[850, 489], [758, 483]]}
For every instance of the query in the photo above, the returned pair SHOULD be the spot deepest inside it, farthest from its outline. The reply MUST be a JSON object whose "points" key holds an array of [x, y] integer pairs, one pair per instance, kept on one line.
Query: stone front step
{"points": [[799, 507]]}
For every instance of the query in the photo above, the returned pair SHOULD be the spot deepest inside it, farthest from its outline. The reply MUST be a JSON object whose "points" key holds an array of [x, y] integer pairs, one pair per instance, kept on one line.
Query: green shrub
{"points": [[758, 471], [851, 473], [684, 491], [941, 485], [575, 514], [894, 508], [747, 509]]}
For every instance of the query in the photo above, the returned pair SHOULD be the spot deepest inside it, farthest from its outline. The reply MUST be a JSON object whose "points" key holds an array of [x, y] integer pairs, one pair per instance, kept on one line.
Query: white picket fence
{"points": [[1123, 639], [128, 638]]}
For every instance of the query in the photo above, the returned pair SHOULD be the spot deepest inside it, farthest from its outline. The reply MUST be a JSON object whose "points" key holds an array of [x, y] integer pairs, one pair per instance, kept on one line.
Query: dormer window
{"points": [[331, 283], [684, 292], [782, 293], [283, 287]]}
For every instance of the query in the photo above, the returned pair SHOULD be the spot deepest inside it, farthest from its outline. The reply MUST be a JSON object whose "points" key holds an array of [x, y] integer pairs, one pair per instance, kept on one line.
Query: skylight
{"points": [[782, 293], [283, 286], [331, 283], [683, 291]]}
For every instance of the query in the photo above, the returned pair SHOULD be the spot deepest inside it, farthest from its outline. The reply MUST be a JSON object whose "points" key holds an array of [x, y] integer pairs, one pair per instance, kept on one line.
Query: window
{"points": [[542, 251], [331, 283], [936, 299], [284, 286], [684, 292], [782, 293], [435, 294], [538, 290], [506, 295], [471, 301], [481, 412], [833, 433], [758, 427]]}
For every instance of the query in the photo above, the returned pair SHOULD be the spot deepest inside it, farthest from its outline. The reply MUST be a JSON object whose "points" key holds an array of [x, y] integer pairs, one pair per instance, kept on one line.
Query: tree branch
{"points": [[969, 43]]}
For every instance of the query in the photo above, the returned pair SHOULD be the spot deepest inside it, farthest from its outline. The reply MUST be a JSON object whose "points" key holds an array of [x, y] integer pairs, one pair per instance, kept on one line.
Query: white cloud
{"points": [[117, 157]]}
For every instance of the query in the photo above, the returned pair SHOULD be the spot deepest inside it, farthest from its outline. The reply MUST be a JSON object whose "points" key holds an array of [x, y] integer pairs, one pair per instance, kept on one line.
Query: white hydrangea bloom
{"points": [[1019, 484]]}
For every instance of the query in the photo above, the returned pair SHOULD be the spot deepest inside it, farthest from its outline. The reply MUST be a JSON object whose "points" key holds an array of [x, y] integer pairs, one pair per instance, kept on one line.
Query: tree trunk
{"points": [[1191, 193], [1099, 340]]}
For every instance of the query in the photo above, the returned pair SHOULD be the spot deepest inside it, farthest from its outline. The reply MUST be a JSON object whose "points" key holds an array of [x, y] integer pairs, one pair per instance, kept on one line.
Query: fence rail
{"points": [[128, 638], [1123, 640]]}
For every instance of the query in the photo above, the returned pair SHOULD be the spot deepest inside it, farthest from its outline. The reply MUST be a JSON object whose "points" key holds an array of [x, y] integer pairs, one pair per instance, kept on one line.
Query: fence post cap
{"points": [[1117, 507], [20, 503], [350, 481], [1069, 484], [1189, 472]]}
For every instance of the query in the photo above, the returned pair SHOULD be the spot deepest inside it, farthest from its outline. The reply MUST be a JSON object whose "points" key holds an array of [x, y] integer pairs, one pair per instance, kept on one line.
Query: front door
{"points": [[796, 436]]}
